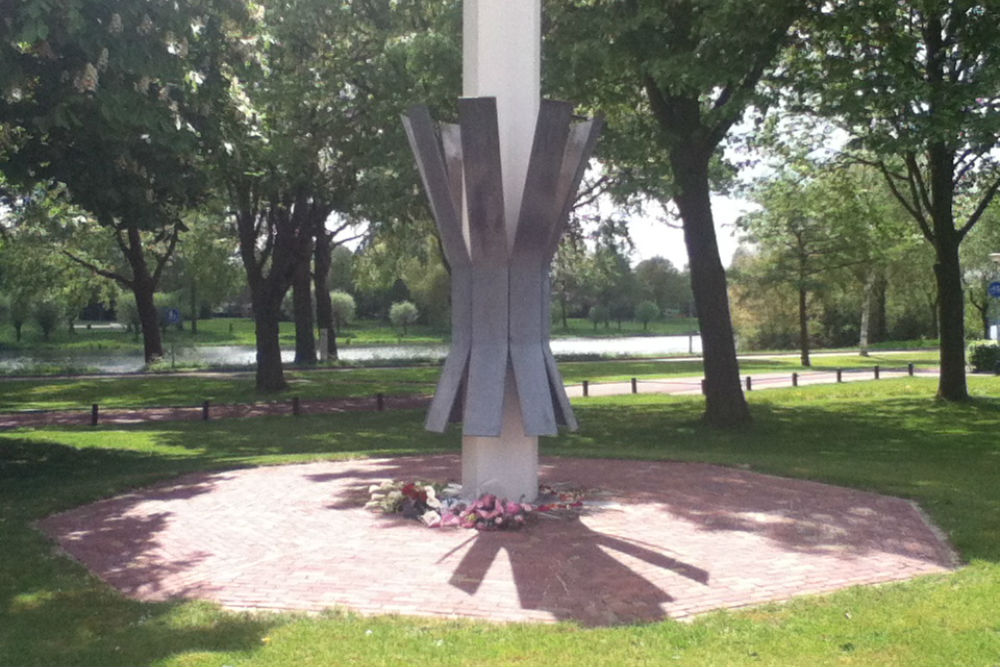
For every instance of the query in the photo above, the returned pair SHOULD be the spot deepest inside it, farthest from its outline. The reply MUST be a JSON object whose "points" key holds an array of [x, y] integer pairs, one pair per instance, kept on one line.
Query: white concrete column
{"points": [[501, 58]]}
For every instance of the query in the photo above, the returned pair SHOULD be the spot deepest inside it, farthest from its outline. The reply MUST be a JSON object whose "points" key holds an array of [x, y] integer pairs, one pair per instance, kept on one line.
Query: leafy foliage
{"points": [[402, 314], [985, 356]]}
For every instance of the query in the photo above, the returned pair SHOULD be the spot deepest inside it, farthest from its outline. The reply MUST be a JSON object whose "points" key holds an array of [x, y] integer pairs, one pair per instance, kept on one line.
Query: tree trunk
{"points": [[270, 375], [948, 274], [149, 320], [143, 285], [880, 327], [194, 308], [866, 311], [725, 404], [951, 324], [324, 309], [804, 326], [302, 307], [17, 331]]}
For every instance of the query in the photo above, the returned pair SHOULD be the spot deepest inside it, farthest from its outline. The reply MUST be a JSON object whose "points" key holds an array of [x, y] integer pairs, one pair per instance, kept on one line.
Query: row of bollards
{"points": [[876, 370], [206, 406], [380, 398]]}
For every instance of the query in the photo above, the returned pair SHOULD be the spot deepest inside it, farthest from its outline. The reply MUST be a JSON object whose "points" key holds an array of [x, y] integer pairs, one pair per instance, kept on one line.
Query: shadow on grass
{"points": [[944, 456], [51, 612]]}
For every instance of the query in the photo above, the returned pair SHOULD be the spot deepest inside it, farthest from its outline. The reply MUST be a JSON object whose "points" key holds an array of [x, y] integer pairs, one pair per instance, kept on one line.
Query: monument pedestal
{"points": [[506, 466], [501, 183]]}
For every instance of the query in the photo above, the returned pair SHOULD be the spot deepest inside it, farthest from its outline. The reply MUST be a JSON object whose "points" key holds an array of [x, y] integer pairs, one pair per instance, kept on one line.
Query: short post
{"points": [[380, 402], [586, 388], [204, 411], [635, 387], [795, 379], [93, 414], [876, 371], [840, 375], [296, 408], [909, 369], [690, 343], [749, 384]]}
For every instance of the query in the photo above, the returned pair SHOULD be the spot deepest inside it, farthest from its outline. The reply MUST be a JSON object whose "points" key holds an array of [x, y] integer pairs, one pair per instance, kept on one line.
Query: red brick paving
{"points": [[678, 539]]}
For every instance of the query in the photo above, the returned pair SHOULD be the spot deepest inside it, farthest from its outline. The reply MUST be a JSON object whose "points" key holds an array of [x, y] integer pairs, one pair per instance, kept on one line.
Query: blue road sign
{"points": [[994, 289], [174, 315]]}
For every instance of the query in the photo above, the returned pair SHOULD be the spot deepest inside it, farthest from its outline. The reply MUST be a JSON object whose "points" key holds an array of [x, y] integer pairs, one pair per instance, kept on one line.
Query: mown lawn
{"points": [[192, 389], [890, 437]]}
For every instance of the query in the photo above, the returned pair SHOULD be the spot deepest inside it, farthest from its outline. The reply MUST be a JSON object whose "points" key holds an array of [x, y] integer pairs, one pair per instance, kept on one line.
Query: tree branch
{"points": [[988, 196], [161, 260], [916, 181], [117, 277], [913, 208]]}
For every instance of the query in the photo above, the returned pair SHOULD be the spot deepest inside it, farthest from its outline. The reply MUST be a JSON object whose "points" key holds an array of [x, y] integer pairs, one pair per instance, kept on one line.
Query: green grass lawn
{"points": [[193, 389], [579, 327], [891, 437]]}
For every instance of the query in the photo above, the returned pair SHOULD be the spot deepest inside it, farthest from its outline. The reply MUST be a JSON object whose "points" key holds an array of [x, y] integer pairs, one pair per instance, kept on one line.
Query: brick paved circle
{"points": [[676, 539]]}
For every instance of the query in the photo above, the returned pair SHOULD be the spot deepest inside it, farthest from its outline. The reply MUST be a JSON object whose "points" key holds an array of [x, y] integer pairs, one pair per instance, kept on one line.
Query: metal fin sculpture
{"points": [[500, 296]]}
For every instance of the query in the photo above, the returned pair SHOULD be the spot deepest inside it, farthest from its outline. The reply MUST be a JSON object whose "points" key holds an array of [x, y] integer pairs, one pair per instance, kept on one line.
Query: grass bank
{"points": [[149, 390], [891, 437]]}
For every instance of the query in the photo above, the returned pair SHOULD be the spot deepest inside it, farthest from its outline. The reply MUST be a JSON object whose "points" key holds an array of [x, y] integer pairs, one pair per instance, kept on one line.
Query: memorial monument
{"points": [[501, 183]]}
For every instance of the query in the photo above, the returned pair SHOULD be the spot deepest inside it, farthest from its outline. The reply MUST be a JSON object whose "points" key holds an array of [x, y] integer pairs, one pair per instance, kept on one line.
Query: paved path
{"points": [[692, 384], [672, 540]]}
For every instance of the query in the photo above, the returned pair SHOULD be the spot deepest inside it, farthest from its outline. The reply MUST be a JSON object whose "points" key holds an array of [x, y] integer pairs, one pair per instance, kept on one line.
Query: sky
{"points": [[652, 237]]}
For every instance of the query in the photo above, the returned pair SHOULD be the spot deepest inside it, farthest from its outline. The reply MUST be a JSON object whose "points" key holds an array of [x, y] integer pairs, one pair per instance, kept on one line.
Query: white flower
{"points": [[86, 81], [102, 60], [116, 23]]}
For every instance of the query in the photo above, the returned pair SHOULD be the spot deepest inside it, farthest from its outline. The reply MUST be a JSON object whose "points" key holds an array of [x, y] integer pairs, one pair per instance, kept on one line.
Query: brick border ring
{"points": [[672, 541]]}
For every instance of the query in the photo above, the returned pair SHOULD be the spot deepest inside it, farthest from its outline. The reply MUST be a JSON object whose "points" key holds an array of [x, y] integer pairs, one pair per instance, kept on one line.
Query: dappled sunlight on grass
{"points": [[892, 437]]}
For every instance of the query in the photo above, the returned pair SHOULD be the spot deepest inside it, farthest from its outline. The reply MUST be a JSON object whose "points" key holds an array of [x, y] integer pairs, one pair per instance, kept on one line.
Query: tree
{"points": [[816, 220], [646, 312], [598, 314], [660, 282], [568, 278], [612, 282], [204, 265], [47, 314], [917, 85], [108, 99], [673, 78], [342, 307], [403, 314], [313, 128], [34, 268], [980, 269]]}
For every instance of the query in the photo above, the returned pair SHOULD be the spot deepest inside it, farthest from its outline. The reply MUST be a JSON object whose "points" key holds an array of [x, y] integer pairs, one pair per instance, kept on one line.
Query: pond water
{"points": [[243, 355]]}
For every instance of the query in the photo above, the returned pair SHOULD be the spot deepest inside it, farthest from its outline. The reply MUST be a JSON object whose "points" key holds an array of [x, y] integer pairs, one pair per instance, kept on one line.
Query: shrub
{"points": [[403, 314], [984, 355], [47, 315], [343, 307]]}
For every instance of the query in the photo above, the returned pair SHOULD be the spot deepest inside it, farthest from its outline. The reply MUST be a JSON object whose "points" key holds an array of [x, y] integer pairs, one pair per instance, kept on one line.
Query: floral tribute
{"points": [[439, 505]]}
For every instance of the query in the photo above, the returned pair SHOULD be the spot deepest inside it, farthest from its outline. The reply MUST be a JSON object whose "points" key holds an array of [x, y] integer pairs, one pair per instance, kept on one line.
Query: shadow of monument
{"points": [[571, 571]]}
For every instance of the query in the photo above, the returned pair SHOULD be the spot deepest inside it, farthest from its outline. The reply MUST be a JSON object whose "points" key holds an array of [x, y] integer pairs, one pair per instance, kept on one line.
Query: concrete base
{"points": [[506, 466]]}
